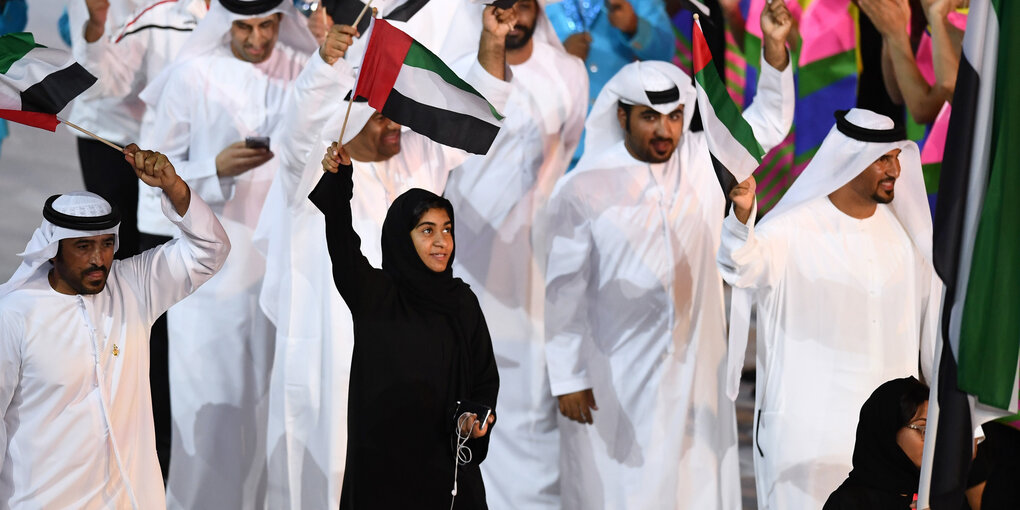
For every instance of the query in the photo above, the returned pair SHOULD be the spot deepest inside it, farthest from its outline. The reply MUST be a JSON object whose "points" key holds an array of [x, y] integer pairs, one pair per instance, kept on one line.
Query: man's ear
{"points": [[621, 117]]}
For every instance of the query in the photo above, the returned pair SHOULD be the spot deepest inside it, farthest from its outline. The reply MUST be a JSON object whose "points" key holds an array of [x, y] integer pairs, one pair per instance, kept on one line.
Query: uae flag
{"points": [[730, 138], [37, 82], [976, 253], [410, 85]]}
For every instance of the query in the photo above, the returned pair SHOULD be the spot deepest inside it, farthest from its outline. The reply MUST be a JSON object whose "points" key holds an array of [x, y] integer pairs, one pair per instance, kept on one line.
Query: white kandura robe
{"points": [[495, 198], [77, 427], [634, 310], [307, 436], [844, 305], [221, 344]]}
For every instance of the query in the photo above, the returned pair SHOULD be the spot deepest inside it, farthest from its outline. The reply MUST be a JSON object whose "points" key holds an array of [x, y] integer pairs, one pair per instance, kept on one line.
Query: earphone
{"points": [[462, 455]]}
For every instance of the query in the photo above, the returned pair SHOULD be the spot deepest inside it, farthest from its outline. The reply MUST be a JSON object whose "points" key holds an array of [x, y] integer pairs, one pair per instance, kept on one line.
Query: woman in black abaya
{"points": [[887, 454], [420, 346]]}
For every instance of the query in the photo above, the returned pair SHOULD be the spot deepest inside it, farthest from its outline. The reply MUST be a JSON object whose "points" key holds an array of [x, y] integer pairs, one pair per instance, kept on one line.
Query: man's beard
{"points": [[880, 199], [516, 43], [79, 285]]}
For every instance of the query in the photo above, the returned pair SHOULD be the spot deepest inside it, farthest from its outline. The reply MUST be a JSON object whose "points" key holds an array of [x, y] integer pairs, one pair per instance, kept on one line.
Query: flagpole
{"points": [[93, 135], [343, 128]]}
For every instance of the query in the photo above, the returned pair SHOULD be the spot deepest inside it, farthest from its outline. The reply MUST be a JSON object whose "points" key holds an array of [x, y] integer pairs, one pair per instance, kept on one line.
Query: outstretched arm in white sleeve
{"points": [[167, 273], [771, 113]]}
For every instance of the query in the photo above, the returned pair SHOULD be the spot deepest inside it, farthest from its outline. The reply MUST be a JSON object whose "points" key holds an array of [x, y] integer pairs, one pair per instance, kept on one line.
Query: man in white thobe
{"points": [[496, 197], [634, 318], [846, 296], [76, 425], [231, 80], [307, 437]]}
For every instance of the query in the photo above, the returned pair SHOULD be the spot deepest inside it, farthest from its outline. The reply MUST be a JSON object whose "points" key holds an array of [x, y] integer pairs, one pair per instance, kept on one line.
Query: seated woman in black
{"points": [[887, 455], [420, 346]]}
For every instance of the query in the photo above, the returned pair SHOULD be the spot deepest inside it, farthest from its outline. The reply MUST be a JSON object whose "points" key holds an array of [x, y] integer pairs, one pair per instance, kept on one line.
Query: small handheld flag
{"points": [[730, 138], [37, 82], [410, 85]]}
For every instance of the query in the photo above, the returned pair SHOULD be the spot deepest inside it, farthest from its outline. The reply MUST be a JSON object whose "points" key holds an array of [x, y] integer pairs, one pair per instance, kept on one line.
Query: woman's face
{"points": [[433, 238], [911, 440]]}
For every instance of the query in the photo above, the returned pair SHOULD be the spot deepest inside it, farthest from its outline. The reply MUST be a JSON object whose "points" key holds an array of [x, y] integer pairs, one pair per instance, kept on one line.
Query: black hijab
{"points": [[419, 284], [879, 462]]}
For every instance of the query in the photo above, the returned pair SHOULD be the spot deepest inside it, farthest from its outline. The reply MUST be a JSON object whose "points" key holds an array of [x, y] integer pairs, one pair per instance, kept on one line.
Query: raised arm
{"points": [[115, 64], [166, 274], [771, 113], [907, 84], [358, 282], [744, 259], [488, 74], [312, 101]]}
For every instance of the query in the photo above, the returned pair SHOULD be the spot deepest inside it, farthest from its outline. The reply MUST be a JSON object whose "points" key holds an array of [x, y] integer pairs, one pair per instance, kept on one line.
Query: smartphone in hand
{"points": [[257, 142]]}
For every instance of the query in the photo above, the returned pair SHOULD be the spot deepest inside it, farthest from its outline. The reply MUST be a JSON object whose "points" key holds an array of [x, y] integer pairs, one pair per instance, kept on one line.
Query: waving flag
{"points": [[37, 82], [409, 84], [976, 248], [730, 138]]}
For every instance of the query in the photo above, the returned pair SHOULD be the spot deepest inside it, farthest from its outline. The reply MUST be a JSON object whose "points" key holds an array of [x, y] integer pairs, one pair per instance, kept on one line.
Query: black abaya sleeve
{"points": [[358, 282], [484, 377]]}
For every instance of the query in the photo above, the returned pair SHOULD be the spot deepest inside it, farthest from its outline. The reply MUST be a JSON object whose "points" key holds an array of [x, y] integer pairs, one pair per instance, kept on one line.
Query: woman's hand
{"points": [[335, 155], [472, 425]]}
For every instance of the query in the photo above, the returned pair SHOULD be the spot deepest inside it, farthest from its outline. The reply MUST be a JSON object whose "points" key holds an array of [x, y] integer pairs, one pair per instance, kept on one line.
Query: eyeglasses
{"points": [[919, 428]]}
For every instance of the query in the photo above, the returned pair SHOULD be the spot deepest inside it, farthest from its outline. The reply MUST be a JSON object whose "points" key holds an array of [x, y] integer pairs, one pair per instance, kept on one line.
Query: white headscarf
{"points": [[632, 85], [47, 237], [213, 32], [839, 159]]}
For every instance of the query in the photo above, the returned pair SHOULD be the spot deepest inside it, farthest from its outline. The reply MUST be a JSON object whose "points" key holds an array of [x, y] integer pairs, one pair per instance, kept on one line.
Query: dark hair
{"points": [[626, 111], [911, 399], [434, 203]]}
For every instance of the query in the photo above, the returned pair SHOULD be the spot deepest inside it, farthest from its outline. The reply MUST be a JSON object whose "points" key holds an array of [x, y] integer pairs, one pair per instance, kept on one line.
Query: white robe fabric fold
{"points": [[76, 426], [496, 198], [844, 305], [307, 435], [220, 342]]}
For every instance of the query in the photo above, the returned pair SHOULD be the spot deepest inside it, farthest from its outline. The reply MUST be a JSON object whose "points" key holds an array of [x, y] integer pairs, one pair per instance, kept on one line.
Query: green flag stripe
{"points": [[727, 113], [932, 172], [15, 46], [989, 338], [420, 57], [752, 48], [824, 72]]}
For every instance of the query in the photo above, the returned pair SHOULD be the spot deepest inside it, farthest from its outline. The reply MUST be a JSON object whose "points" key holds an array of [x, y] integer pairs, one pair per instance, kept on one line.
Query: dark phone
{"points": [[482, 411], [257, 142]]}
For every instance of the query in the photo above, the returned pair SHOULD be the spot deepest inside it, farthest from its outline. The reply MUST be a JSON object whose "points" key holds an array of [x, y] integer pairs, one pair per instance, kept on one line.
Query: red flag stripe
{"points": [[702, 55], [387, 48], [46, 121]]}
